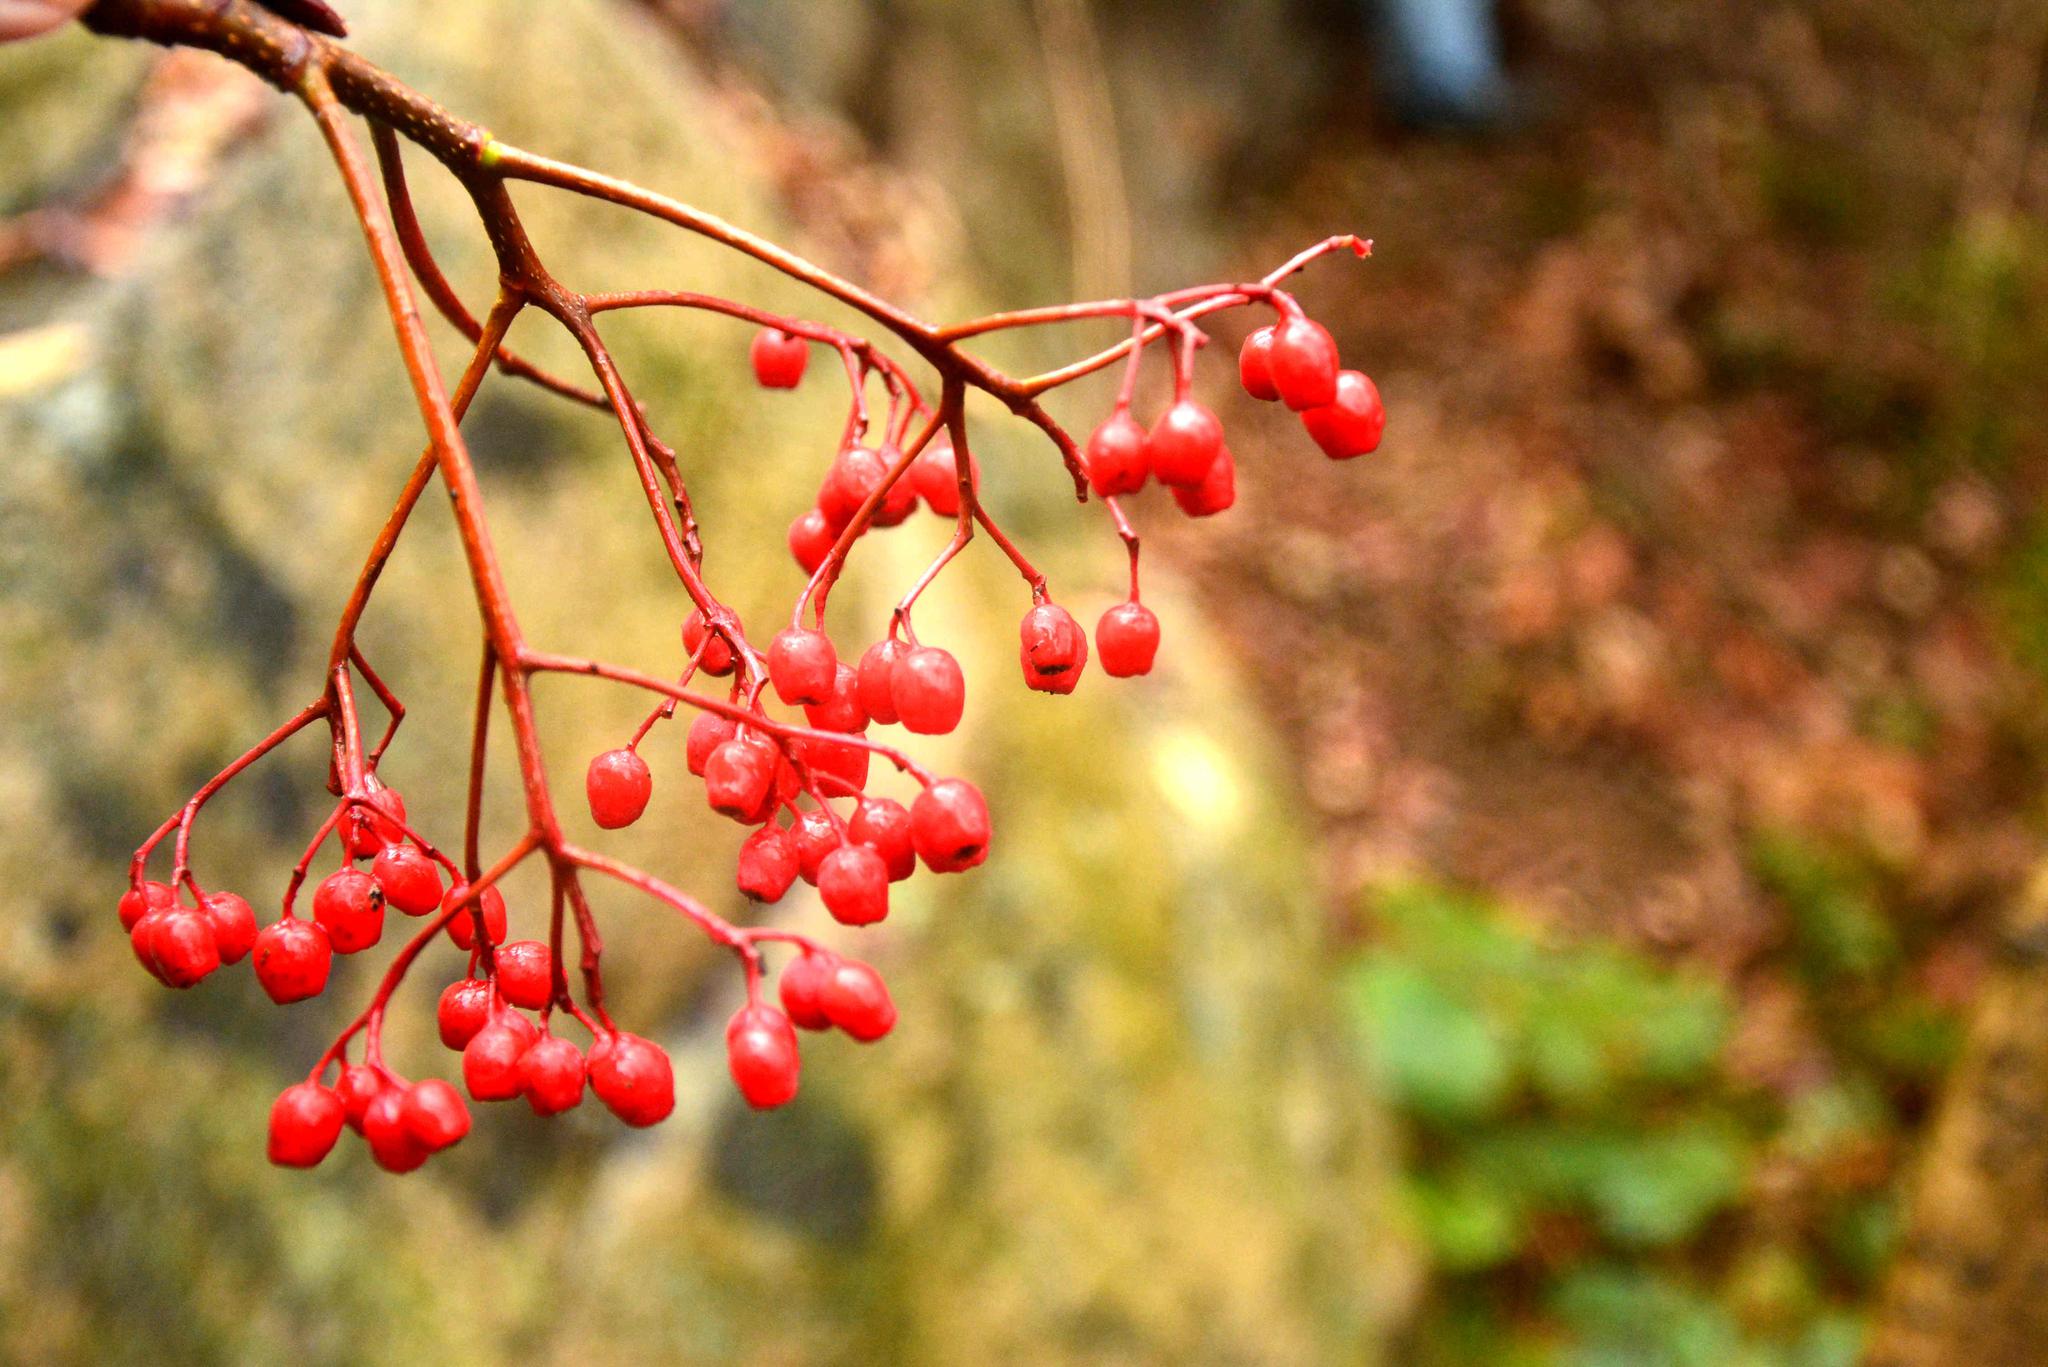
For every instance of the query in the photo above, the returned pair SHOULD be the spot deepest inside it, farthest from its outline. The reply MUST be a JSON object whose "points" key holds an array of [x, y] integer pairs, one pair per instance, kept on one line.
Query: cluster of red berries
{"points": [[802, 788]]}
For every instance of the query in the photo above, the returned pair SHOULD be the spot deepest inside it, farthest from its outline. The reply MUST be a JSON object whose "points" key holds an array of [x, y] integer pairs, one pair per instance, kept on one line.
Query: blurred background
{"points": [[1531, 915]]}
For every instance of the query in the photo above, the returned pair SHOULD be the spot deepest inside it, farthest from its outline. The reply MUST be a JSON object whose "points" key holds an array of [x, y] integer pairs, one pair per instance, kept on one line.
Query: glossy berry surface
{"points": [[927, 690], [1351, 424], [854, 998], [706, 734], [525, 973], [1127, 639], [408, 879], [800, 988], [883, 825], [853, 882], [1255, 365], [810, 539], [633, 1078], [778, 358], [802, 665], [1304, 364], [136, 902], [1052, 648], [462, 1010], [1119, 457], [490, 1061], [935, 475], [349, 906], [392, 1142], [462, 926], [875, 679], [949, 826], [740, 776], [434, 1114], [551, 1076], [717, 658], [368, 826], [234, 925], [305, 1120], [761, 1051], [1216, 492], [1185, 443], [617, 785], [767, 864], [292, 960], [181, 945], [840, 709], [358, 1086]]}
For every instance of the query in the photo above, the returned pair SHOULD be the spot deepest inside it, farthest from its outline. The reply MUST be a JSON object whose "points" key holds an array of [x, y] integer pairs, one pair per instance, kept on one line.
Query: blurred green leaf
{"points": [[1469, 1223], [1434, 1054], [1840, 927]]}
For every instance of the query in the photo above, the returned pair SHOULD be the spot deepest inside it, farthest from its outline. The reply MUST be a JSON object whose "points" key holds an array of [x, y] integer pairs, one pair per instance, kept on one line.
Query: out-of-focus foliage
{"points": [[1594, 1185]]}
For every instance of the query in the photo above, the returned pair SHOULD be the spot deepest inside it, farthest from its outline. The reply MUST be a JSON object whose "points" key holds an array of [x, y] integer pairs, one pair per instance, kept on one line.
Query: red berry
{"points": [[949, 826], [855, 999], [292, 959], [151, 896], [760, 1048], [181, 944], [490, 1061], [767, 864], [803, 978], [853, 882], [462, 926], [358, 1086], [838, 768], [1351, 424], [740, 776], [814, 836], [551, 1075], [781, 791], [1185, 443], [935, 474], [618, 786], [1304, 364], [1118, 458], [234, 925], [899, 500], [707, 733], [138, 941], [368, 826], [875, 675], [1127, 639], [883, 825], [841, 709], [526, 973], [392, 1142], [717, 659], [305, 1120], [464, 1008], [349, 906], [632, 1077], [810, 539], [1216, 492], [927, 690], [856, 473], [1053, 649], [1255, 365], [434, 1114], [408, 877], [779, 358], [802, 665]]}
